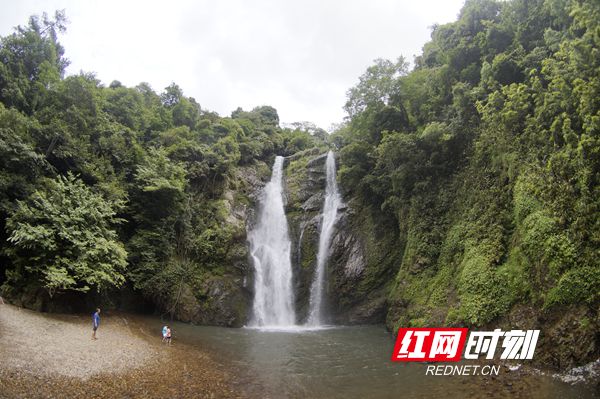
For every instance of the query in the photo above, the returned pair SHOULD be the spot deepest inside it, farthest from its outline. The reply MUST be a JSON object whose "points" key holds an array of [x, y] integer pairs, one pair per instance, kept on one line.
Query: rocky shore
{"points": [[53, 356]]}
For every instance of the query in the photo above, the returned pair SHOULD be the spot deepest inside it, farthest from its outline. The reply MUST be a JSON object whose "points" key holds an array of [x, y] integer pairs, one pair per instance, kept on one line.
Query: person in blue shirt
{"points": [[168, 336], [164, 333], [95, 323]]}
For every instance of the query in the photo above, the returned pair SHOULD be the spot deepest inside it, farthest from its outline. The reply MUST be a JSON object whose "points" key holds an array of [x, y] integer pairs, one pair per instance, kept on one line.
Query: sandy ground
{"points": [[35, 343], [53, 356]]}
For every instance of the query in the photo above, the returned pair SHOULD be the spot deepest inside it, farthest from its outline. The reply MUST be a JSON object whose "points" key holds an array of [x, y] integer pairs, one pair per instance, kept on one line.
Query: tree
{"points": [[268, 115], [377, 87], [171, 95], [62, 238], [31, 61], [20, 165]]}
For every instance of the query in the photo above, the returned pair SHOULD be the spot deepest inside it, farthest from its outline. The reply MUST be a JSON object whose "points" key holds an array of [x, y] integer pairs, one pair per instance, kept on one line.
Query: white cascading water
{"points": [[270, 248], [329, 215]]}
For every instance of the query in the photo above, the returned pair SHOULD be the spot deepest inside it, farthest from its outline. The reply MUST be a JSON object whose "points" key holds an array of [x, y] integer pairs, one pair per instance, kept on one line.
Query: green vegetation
{"points": [[472, 180], [106, 187], [485, 159], [62, 238]]}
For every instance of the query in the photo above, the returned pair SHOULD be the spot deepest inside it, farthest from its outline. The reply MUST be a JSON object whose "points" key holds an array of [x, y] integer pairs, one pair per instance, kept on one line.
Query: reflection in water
{"points": [[351, 362]]}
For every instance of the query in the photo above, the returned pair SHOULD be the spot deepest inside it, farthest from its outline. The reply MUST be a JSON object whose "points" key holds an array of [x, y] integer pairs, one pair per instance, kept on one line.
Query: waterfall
{"points": [[270, 248], [329, 215]]}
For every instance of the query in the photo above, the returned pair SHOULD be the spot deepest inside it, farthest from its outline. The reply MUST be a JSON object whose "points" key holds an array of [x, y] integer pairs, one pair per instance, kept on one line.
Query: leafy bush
{"points": [[483, 294], [580, 285], [62, 238]]}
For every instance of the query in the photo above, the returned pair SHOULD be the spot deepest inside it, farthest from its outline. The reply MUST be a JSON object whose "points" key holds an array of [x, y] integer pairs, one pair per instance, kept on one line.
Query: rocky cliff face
{"points": [[225, 299], [356, 291], [366, 282], [305, 182], [366, 279], [359, 269]]}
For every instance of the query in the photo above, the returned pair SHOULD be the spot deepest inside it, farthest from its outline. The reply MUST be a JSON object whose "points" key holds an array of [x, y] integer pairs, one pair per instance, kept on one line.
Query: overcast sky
{"points": [[298, 56]]}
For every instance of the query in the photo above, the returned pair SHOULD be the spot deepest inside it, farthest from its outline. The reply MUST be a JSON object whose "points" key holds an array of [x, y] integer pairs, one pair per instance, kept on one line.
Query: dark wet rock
{"points": [[223, 303], [225, 299], [357, 297], [313, 203], [348, 300]]}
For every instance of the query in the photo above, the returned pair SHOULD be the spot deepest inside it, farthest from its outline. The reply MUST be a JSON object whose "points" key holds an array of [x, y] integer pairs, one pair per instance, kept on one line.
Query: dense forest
{"points": [[107, 187], [483, 163], [473, 175]]}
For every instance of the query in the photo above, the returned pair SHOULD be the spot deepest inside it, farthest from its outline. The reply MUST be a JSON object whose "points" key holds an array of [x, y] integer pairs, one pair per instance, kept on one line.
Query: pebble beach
{"points": [[54, 356]]}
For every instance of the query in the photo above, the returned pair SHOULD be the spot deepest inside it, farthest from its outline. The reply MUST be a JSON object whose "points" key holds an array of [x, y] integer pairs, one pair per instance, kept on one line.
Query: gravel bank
{"points": [[53, 356]]}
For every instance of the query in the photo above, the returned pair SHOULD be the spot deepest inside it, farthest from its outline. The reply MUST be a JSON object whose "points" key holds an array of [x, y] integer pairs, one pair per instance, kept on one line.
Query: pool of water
{"points": [[351, 362]]}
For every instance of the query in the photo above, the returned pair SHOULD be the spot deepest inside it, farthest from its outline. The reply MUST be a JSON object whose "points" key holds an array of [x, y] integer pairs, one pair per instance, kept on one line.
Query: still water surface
{"points": [[351, 362]]}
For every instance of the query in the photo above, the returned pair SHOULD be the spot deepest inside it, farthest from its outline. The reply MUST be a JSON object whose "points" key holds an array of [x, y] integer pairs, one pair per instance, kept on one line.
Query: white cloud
{"points": [[300, 57]]}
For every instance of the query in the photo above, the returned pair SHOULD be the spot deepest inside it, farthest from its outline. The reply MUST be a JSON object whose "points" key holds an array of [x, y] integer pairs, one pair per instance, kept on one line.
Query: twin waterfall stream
{"points": [[285, 354], [270, 249], [329, 216]]}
